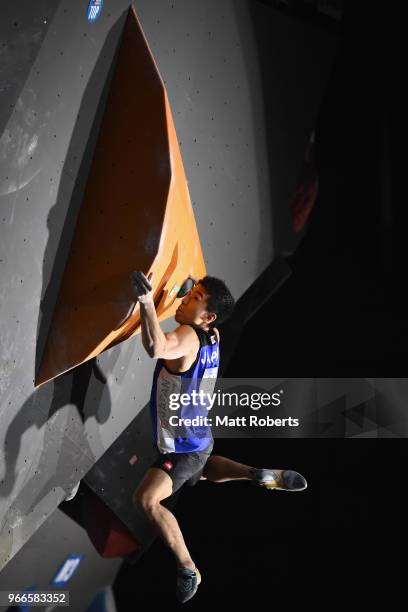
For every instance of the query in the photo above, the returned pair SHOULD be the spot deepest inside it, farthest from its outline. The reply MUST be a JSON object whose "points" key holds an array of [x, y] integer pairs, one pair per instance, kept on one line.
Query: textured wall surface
{"points": [[39, 560], [244, 83]]}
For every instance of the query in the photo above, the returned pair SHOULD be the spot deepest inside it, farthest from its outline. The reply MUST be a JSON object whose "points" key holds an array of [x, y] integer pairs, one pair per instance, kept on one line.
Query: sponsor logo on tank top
{"points": [[168, 465]]}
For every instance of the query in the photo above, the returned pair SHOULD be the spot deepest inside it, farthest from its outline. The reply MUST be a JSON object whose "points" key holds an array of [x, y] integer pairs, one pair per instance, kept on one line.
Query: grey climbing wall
{"points": [[49, 551], [244, 82]]}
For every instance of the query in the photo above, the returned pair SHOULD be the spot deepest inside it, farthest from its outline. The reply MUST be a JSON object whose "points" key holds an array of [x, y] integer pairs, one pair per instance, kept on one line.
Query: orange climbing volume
{"points": [[136, 215]]}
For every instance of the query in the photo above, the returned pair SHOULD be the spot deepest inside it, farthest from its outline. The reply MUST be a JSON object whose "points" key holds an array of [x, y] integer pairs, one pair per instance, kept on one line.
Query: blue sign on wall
{"points": [[27, 607], [67, 570], [94, 9]]}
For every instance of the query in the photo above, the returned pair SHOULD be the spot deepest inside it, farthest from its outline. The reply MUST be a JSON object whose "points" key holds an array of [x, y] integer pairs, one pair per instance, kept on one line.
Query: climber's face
{"points": [[193, 308]]}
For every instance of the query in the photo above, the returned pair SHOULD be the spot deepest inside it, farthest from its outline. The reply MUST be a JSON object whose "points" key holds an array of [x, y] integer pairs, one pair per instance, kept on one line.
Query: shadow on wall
{"points": [[60, 461], [69, 389]]}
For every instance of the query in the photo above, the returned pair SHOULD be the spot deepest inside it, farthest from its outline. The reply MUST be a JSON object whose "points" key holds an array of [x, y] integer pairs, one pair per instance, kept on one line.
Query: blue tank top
{"points": [[201, 375]]}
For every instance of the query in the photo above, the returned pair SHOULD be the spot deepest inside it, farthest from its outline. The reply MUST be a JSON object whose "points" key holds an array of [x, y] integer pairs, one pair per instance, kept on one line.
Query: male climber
{"points": [[187, 357]]}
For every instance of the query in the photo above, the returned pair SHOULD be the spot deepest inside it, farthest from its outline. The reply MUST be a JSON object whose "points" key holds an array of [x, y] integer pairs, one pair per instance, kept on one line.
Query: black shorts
{"points": [[184, 467]]}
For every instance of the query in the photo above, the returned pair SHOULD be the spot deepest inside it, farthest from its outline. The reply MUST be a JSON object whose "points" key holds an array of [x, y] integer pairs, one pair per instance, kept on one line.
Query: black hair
{"points": [[219, 298]]}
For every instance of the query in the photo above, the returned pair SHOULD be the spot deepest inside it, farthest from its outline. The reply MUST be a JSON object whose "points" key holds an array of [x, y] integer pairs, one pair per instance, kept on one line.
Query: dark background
{"points": [[341, 313]]}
